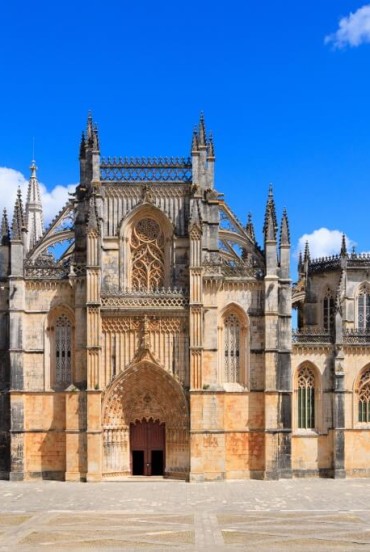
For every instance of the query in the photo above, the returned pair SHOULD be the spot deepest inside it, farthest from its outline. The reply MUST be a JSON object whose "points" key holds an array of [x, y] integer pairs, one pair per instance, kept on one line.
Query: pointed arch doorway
{"points": [[147, 444], [145, 409]]}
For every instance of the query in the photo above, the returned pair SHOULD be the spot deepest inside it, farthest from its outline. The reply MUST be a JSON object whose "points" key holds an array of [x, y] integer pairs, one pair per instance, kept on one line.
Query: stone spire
{"points": [[210, 148], [83, 147], [250, 228], [92, 135], [270, 225], [284, 230], [270, 230], [34, 215], [4, 230], [18, 223], [307, 256], [195, 141], [343, 249], [202, 132], [300, 264]]}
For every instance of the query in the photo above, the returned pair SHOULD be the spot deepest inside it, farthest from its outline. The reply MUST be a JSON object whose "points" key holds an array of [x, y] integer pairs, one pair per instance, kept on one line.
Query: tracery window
{"points": [[364, 398], [306, 398], [63, 351], [328, 312], [147, 255], [363, 308], [232, 349]]}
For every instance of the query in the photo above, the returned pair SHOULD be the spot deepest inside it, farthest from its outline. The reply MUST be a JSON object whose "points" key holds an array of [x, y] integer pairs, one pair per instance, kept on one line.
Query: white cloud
{"points": [[323, 242], [52, 201], [353, 30]]}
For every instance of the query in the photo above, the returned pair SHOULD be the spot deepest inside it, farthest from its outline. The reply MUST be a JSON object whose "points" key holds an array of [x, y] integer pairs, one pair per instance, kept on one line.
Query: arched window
{"points": [[364, 397], [147, 255], [63, 352], [232, 349], [306, 398], [328, 312], [363, 307]]}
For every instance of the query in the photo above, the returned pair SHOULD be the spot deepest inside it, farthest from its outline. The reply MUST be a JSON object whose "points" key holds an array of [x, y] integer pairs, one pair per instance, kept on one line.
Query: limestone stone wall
{"points": [[227, 435]]}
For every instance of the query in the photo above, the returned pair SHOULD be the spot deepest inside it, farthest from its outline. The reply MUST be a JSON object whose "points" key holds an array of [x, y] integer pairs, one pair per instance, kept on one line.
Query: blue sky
{"points": [[285, 105]]}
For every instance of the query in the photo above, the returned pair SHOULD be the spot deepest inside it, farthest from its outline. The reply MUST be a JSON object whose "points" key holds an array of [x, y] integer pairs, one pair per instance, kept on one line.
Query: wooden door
{"points": [[147, 443]]}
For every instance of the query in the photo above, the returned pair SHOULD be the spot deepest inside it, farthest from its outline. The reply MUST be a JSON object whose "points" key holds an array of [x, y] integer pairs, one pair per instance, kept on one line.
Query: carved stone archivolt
{"points": [[145, 391]]}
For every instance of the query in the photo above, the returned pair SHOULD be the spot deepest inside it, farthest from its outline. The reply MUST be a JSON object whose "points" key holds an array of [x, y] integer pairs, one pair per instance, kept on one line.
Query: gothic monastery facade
{"points": [[159, 341]]}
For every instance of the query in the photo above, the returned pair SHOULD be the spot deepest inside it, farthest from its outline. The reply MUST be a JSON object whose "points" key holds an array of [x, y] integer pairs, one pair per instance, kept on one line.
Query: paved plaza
{"points": [[158, 515]]}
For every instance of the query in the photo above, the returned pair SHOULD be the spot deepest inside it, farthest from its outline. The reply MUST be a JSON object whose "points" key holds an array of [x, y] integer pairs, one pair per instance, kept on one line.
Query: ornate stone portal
{"points": [[145, 392]]}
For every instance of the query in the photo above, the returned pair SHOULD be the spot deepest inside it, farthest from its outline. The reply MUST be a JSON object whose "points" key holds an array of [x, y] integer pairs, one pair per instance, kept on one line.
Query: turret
{"points": [[89, 156], [34, 215], [203, 157]]}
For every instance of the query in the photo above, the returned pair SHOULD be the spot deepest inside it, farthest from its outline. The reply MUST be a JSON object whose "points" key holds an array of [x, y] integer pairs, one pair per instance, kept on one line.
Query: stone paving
{"points": [[159, 515]]}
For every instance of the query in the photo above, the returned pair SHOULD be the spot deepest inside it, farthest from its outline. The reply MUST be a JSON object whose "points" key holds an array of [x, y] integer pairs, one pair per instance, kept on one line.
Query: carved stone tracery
{"points": [[147, 255]]}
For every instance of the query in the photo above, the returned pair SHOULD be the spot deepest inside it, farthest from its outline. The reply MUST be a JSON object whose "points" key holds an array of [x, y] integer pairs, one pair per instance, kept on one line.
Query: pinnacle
{"points": [[284, 230], [270, 210], [18, 223], [5, 231], [307, 255], [211, 148], [195, 141], [250, 228], [202, 131]]}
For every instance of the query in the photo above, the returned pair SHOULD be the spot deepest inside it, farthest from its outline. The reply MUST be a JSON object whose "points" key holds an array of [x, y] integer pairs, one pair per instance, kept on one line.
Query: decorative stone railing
{"points": [[156, 298], [318, 336], [46, 269], [356, 337], [144, 169]]}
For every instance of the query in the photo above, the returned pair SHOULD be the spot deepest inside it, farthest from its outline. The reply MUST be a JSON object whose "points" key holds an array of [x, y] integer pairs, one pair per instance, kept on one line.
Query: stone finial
{"points": [[250, 228], [18, 223], [284, 230], [202, 131], [4, 229], [343, 249], [270, 226]]}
